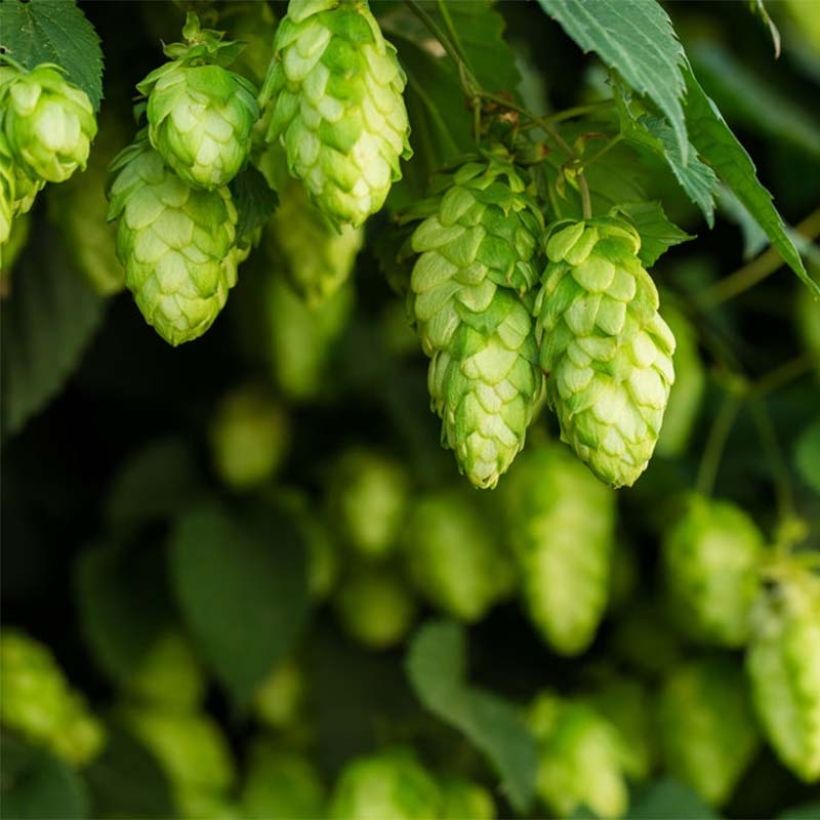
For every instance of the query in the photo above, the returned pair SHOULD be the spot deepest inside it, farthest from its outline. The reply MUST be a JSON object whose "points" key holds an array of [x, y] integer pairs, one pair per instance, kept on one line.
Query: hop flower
{"points": [[48, 122], [605, 347], [783, 661], [711, 558], [336, 87], [477, 247], [561, 524], [175, 243]]}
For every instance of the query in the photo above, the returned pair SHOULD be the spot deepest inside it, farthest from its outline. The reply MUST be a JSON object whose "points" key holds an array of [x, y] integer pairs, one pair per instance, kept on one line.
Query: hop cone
{"points": [[338, 109], [38, 703], [453, 557], [561, 523], [579, 759], [388, 785], [605, 347], [783, 662], [711, 558], [278, 700], [7, 190], [461, 799], [707, 727], [48, 122], [175, 243], [477, 248], [200, 119], [281, 783]]}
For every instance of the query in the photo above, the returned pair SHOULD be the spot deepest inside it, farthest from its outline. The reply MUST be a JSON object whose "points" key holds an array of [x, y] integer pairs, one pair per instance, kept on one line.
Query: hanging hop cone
{"points": [[477, 249], [336, 91], [7, 189], [605, 347], [48, 122], [175, 242], [711, 558], [783, 661]]}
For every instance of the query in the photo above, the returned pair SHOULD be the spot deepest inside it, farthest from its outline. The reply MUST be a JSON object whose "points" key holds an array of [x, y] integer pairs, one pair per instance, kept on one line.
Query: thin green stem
{"points": [[716, 443], [604, 151], [781, 376], [758, 269], [578, 111]]}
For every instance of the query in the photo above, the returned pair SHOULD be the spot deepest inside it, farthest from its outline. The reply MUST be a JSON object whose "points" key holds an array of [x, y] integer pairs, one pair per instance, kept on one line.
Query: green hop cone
{"points": [[38, 702], [477, 250], [281, 784], [605, 347], [249, 437], [783, 662], [175, 243], [386, 785], [8, 188], [200, 114], [278, 700], [687, 392], [336, 90], [711, 558], [561, 525], [193, 753], [375, 608], [48, 122], [463, 800], [453, 557], [707, 728], [367, 499], [579, 758]]}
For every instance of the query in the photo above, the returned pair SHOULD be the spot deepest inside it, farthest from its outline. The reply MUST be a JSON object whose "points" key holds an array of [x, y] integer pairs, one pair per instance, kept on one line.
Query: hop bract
{"points": [[336, 88], [49, 123], [7, 189], [476, 251], [175, 243], [605, 347], [200, 119]]}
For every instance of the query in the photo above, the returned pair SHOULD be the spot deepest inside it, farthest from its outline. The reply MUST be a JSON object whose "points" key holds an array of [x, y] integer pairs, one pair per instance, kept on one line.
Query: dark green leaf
{"points": [[54, 31], [241, 583], [658, 234], [808, 811], [667, 799], [437, 668], [35, 784], [807, 455], [255, 201], [123, 603], [48, 321], [126, 781], [636, 38], [155, 483], [718, 146]]}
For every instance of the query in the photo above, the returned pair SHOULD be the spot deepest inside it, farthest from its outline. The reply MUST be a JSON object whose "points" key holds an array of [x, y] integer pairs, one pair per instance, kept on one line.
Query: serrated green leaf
{"points": [[123, 604], [807, 455], [37, 785], [657, 233], [636, 38], [255, 201], [437, 667], [241, 582], [54, 31], [719, 147], [48, 321]]}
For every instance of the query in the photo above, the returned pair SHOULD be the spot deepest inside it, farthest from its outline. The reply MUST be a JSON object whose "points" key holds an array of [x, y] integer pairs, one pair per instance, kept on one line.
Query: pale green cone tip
{"points": [[48, 122], [175, 242], [606, 350], [335, 87]]}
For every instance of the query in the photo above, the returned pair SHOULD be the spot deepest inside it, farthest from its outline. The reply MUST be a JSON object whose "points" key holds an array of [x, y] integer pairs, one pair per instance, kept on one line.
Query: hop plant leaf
{"points": [[605, 347], [708, 731], [477, 248], [175, 242], [783, 662], [336, 91], [48, 122], [561, 524], [711, 558]]}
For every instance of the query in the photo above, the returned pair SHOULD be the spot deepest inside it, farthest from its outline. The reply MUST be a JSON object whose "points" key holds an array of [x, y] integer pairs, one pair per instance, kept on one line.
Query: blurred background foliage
{"points": [[250, 554]]}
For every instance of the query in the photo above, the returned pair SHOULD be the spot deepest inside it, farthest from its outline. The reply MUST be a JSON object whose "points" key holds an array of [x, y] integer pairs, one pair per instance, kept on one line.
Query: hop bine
{"points": [[605, 347], [175, 242], [336, 90], [477, 248]]}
